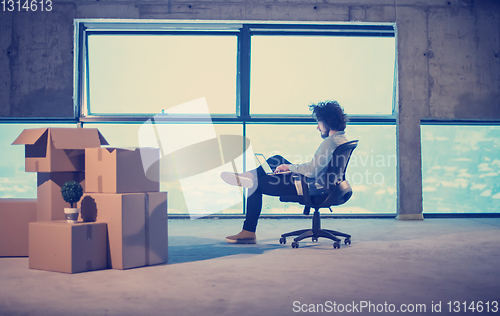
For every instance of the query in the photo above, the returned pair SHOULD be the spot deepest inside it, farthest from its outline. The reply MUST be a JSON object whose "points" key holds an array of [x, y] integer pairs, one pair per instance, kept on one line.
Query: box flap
{"points": [[76, 138], [29, 136], [102, 139]]}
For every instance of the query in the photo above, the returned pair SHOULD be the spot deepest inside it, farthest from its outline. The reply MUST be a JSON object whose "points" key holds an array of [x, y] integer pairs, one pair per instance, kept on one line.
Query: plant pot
{"points": [[71, 214]]}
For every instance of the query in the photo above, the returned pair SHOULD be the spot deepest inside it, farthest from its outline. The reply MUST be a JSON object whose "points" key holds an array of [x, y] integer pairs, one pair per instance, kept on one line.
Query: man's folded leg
{"points": [[245, 180]]}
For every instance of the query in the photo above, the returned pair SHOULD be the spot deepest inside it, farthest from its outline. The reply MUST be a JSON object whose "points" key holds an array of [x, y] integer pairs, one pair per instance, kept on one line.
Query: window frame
{"points": [[244, 30]]}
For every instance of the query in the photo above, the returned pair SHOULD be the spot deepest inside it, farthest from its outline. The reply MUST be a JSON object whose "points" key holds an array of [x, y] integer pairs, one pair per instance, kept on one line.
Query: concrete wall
{"points": [[449, 57]]}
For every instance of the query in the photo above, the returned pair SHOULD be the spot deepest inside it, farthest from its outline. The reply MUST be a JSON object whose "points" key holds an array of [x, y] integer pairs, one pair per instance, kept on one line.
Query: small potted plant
{"points": [[72, 192]]}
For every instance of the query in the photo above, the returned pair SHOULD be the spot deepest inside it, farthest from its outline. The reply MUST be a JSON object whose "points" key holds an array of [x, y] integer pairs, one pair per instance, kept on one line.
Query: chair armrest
{"points": [[305, 188]]}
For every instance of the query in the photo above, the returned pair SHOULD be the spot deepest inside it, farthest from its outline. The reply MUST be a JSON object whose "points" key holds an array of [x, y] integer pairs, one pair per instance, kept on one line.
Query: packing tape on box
{"points": [[89, 237], [99, 183], [89, 232], [146, 226]]}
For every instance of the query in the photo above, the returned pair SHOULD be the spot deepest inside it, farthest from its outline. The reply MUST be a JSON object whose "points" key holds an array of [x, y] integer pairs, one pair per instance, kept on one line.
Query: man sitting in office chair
{"points": [[331, 123]]}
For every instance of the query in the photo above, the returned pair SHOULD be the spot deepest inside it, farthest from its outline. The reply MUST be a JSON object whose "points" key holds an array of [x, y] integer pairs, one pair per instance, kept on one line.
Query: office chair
{"points": [[339, 192]]}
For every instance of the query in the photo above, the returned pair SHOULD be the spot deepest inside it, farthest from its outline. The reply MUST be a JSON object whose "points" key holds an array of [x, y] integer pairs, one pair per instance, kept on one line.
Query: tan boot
{"points": [[244, 237]]}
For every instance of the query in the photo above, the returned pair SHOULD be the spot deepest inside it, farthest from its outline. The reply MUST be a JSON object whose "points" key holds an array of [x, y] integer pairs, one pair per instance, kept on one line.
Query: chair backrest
{"points": [[340, 159], [339, 190]]}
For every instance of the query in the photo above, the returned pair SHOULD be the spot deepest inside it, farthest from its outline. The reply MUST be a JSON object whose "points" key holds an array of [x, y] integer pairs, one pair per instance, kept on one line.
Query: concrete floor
{"points": [[389, 262]]}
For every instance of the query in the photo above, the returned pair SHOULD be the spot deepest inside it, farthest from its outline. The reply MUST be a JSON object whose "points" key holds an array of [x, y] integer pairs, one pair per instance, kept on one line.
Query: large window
{"points": [[243, 70], [257, 80], [460, 168], [131, 74], [289, 72], [180, 191], [371, 170]]}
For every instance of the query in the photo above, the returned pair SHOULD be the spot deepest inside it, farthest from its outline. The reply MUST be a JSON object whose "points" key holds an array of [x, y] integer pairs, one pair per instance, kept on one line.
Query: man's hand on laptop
{"points": [[282, 168]]}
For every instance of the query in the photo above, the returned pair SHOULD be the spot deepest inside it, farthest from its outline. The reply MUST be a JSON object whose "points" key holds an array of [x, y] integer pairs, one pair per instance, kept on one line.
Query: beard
{"points": [[325, 134]]}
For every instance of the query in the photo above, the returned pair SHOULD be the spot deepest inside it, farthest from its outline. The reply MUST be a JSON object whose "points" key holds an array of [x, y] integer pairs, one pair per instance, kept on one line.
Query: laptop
{"points": [[267, 169]]}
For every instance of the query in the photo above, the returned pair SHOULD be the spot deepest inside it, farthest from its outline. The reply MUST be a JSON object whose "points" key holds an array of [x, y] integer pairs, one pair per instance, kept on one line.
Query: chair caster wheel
{"points": [[282, 240], [347, 241], [295, 244], [336, 245], [315, 239]]}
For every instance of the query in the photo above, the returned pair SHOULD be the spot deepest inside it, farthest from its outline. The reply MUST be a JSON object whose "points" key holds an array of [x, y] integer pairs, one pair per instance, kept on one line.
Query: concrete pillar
{"points": [[413, 105], [5, 52], [37, 53]]}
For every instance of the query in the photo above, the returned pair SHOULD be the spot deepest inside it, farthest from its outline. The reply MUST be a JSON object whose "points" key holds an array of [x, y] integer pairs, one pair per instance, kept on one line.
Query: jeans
{"points": [[274, 185]]}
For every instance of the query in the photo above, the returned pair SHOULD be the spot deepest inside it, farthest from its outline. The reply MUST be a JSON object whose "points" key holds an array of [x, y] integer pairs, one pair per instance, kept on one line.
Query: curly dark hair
{"points": [[330, 113]]}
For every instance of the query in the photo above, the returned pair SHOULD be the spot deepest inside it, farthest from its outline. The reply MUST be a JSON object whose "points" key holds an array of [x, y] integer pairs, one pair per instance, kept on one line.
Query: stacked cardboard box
{"points": [[58, 156], [63, 247], [123, 215], [119, 193], [15, 216]]}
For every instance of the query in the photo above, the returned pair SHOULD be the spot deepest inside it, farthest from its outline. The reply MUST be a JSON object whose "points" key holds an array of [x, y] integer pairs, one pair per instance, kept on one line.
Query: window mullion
{"points": [[243, 78]]}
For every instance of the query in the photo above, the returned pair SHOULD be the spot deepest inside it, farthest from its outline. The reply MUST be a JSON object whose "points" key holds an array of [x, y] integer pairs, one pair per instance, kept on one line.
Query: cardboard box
{"points": [[156, 228], [15, 216], [137, 226], [50, 203], [63, 247], [58, 149], [120, 170]]}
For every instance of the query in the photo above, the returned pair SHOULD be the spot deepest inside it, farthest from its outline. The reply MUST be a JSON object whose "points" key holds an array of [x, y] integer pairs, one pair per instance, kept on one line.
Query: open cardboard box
{"points": [[58, 149]]}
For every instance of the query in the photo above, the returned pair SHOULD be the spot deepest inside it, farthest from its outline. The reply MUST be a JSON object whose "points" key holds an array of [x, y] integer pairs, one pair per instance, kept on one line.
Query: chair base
{"points": [[315, 233]]}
